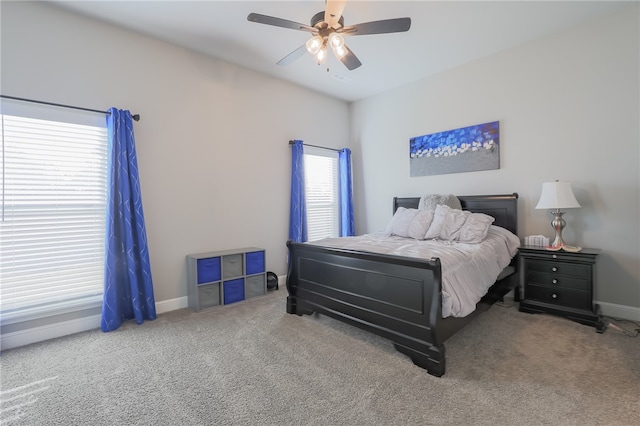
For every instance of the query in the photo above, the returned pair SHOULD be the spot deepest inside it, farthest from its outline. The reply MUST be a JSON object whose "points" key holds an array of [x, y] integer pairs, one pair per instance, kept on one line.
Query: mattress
{"points": [[468, 270]]}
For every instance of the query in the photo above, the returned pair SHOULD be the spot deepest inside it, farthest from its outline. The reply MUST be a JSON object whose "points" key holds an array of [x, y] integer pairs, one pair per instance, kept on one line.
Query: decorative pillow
{"points": [[453, 224], [420, 224], [439, 216], [396, 215], [475, 228], [430, 201], [402, 221]]}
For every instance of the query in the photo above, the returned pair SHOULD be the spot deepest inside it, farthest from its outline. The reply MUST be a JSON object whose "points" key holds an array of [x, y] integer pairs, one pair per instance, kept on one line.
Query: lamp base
{"points": [[558, 224]]}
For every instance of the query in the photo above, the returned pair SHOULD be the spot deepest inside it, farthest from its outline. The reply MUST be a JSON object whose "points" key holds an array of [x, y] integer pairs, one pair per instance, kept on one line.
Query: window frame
{"points": [[13, 315], [334, 203]]}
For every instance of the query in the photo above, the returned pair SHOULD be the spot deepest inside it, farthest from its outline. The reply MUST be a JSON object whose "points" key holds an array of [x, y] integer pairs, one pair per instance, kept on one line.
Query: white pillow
{"points": [[402, 221], [475, 228], [439, 216], [453, 224], [420, 224], [389, 228]]}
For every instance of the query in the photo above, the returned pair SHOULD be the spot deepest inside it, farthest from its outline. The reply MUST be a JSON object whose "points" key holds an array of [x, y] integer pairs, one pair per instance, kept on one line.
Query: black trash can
{"points": [[272, 281]]}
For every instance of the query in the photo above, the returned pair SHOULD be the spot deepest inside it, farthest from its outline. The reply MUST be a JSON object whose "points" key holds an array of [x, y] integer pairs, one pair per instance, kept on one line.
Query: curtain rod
{"points": [[317, 146], [136, 117]]}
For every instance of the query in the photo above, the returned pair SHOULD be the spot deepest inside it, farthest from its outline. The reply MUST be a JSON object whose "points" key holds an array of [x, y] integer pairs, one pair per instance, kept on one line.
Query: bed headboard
{"points": [[504, 208]]}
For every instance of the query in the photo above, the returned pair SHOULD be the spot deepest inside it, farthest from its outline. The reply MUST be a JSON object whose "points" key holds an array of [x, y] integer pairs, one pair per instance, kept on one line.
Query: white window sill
{"points": [[39, 312]]}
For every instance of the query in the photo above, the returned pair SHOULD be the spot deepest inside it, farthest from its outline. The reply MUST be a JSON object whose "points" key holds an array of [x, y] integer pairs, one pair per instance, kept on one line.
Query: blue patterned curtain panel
{"points": [[128, 287], [347, 228], [297, 209], [467, 149]]}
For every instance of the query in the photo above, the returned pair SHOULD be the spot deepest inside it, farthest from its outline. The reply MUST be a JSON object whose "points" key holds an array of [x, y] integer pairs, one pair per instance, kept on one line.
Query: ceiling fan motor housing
{"points": [[318, 19]]}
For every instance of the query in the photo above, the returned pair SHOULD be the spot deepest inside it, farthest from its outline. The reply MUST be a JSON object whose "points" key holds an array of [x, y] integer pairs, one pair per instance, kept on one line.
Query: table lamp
{"points": [[555, 196]]}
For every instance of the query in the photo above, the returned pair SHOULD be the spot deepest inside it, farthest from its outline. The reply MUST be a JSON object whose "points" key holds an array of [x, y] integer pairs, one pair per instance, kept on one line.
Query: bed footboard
{"points": [[395, 297]]}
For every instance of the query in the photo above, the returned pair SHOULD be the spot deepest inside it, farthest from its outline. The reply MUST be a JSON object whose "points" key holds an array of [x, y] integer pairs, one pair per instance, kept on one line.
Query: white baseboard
{"points": [[172, 304], [620, 311]]}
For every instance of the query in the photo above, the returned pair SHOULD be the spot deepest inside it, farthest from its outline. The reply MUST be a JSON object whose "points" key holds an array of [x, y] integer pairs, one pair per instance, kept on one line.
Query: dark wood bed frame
{"points": [[398, 298]]}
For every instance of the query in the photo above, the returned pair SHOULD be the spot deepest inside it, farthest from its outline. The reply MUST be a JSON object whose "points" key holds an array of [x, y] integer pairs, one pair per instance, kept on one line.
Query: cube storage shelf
{"points": [[224, 277]]}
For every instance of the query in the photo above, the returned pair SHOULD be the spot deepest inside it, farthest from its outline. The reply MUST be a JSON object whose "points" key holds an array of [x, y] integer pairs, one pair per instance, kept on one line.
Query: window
{"points": [[322, 193], [53, 189]]}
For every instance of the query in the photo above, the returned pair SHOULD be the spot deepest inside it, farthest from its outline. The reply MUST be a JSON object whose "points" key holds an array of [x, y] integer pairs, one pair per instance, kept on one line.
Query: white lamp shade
{"points": [[557, 195]]}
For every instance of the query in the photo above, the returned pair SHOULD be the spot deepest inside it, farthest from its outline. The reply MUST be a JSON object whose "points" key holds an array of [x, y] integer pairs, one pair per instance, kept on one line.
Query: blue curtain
{"points": [[297, 209], [347, 228], [128, 287]]}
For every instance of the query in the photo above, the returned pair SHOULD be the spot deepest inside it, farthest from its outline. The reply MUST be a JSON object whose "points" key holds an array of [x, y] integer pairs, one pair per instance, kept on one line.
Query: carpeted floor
{"points": [[250, 363]]}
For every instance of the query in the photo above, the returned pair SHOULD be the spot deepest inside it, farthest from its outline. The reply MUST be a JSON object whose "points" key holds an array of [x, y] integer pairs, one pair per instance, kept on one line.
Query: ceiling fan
{"points": [[327, 30]]}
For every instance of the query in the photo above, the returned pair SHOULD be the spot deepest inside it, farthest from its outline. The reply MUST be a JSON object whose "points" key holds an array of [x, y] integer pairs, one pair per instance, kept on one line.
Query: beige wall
{"points": [[568, 107]]}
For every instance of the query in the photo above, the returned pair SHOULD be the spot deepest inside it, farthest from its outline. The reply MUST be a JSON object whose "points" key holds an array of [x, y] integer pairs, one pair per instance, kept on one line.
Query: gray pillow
{"points": [[430, 201]]}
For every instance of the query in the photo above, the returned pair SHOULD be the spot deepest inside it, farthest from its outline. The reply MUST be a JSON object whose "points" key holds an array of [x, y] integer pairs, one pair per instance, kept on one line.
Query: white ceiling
{"points": [[443, 34]]}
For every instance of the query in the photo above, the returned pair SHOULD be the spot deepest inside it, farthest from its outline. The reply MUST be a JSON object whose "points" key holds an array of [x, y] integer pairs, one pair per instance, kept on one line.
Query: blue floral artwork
{"points": [[467, 149]]}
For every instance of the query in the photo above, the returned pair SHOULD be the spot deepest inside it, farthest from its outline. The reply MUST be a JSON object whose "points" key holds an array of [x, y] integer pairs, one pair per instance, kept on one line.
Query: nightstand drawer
{"points": [[558, 281], [562, 268], [561, 297]]}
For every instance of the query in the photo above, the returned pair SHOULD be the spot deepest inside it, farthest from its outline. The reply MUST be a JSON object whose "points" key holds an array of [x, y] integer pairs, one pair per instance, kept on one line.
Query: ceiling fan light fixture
{"points": [[336, 40], [327, 29], [321, 55], [314, 44], [339, 51]]}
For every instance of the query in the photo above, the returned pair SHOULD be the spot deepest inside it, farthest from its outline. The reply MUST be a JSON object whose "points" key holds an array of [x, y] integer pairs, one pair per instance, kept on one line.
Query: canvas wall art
{"points": [[467, 149]]}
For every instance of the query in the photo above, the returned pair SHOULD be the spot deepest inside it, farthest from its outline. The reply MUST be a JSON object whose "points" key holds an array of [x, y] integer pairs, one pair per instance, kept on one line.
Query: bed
{"points": [[396, 297]]}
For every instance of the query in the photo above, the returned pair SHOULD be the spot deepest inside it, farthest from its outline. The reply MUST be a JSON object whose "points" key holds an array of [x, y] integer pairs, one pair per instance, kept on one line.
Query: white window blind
{"points": [[52, 231], [321, 192]]}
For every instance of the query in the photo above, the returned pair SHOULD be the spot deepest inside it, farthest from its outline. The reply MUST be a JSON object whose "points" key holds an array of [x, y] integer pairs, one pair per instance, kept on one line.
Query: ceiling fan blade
{"points": [[333, 11], [279, 22], [350, 60], [300, 51], [396, 25]]}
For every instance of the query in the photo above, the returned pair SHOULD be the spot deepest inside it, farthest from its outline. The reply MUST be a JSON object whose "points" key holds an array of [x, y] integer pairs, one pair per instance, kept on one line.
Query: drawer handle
{"points": [[554, 269], [554, 281], [554, 296]]}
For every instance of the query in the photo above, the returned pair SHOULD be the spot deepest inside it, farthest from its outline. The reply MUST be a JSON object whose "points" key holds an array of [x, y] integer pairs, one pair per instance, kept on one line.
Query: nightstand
{"points": [[560, 283]]}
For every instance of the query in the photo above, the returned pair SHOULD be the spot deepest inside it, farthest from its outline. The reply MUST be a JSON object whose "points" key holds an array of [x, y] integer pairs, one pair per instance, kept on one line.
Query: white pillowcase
{"points": [[475, 228], [453, 223], [458, 225], [400, 222], [410, 223], [439, 217], [396, 215], [443, 223], [420, 224]]}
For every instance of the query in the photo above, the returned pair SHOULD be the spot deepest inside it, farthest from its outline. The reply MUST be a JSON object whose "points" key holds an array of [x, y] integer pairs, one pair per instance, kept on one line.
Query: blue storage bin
{"points": [[208, 270], [255, 262], [233, 291]]}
